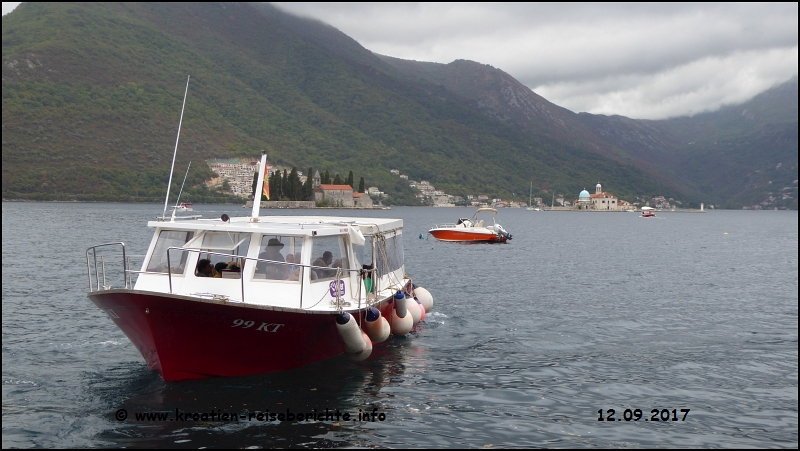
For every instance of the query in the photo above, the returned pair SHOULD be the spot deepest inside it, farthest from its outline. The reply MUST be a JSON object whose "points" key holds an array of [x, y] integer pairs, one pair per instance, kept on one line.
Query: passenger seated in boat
{"points": [[318, 270], [324, 262], [204, 268], [218, 268], [272, 252]]}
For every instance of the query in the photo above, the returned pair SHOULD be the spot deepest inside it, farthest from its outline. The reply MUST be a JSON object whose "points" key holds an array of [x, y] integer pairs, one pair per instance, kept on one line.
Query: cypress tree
{"points": [[284, 185], [295, 187], [337, 180], [273, 185], [308, 187], [361, 185], [325, 178], [350, 179]]}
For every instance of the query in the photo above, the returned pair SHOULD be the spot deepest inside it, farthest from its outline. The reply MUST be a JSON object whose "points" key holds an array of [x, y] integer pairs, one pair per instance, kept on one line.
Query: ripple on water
{"points": [[526, 343]]}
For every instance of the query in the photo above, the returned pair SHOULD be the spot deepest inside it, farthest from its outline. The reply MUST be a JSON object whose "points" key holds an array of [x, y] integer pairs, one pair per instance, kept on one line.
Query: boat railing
{"points": [[362, 272], [99, 266], [449, 225]]}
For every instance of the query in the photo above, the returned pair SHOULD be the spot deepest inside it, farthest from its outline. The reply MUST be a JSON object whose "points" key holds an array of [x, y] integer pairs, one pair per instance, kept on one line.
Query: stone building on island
{"points": [[338, 195], [599, 201]]}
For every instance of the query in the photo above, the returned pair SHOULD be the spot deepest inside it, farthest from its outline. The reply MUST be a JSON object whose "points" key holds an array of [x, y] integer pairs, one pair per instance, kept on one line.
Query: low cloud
{"points": [[639, 60]]}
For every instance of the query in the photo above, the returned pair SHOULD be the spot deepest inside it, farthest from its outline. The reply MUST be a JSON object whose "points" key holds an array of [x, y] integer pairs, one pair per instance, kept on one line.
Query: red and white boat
{"points": [[472, 230], [291, 290], [648, 212], [185, 206]]}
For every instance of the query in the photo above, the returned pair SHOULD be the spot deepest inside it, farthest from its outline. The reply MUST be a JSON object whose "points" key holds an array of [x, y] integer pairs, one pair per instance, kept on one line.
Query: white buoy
{"points": [[350, 333], [414, 309], [363, 355], [424, 297], [377, 327], [401, 325]]}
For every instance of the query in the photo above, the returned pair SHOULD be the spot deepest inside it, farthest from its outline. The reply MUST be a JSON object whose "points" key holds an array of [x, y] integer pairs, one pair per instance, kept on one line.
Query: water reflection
{"points": [[334, 387]]}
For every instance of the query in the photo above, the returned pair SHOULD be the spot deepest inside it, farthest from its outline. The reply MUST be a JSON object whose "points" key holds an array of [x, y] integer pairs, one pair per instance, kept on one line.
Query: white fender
{"points": [[399, 305], [350, 333], [363, 355], [401, 326], [376, 325], [413, 309], [424, 297]]}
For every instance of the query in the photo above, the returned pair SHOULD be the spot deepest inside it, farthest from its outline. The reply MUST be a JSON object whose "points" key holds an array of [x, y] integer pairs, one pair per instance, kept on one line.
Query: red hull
{"points": [[186, 338], [455, 235]]}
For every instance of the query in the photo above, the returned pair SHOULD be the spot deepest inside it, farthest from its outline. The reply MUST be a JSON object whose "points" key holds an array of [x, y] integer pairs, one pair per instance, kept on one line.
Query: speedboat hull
{"points": [[190, 338], [465, 235]]}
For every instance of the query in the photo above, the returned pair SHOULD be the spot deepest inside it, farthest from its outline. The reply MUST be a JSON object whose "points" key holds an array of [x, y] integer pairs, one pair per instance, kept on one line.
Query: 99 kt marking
{"points": [[266, 327], [636, 415]]}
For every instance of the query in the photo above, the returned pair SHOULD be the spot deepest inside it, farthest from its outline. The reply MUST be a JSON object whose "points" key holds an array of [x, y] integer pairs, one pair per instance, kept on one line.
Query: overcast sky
{"points": [[646, 61], [638, 60]]}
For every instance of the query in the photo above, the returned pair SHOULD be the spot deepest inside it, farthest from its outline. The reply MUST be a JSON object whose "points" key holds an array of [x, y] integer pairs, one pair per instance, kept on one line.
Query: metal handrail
{"points": [[93, 249], [302, 267]]}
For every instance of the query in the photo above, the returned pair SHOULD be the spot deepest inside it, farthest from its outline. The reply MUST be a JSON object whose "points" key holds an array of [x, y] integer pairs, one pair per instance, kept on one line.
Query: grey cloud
{"points": [[562, 49]]}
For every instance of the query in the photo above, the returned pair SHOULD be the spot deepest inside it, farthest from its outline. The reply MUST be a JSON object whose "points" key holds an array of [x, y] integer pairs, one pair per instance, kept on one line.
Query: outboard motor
{"points": [[501, 232]]}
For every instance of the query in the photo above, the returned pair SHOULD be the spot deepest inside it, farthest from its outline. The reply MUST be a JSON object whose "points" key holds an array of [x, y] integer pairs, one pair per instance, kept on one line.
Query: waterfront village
{"points": [[238, 174]]}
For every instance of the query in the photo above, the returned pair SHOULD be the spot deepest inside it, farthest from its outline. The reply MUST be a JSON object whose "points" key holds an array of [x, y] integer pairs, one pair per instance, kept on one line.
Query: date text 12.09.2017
{"points": [[636, 415]]}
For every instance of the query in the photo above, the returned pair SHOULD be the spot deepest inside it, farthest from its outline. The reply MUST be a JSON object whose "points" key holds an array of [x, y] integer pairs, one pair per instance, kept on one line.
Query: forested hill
{"points": [[741, 155], [92, 96]]}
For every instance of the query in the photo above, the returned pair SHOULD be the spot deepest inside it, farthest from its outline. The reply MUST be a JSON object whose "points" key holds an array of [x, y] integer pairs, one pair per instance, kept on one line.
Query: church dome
{"points": [[584, 194]]}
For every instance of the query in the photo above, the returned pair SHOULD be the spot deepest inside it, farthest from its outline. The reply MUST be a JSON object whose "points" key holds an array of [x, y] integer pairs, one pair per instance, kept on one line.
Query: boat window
{"points": [[328, 252], [389, 257], [167, 239], [285, 252], [363, 253], [232, 244]]}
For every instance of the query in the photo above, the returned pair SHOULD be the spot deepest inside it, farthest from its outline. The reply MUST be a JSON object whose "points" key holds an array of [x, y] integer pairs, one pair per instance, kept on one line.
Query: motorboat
{"points": [[244, 295], [648, 212], [472, 230], [185, 206], [286, 287]]}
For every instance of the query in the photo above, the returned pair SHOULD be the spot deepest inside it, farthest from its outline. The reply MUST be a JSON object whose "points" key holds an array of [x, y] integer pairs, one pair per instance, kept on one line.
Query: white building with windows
{"points": [[600, 200]]}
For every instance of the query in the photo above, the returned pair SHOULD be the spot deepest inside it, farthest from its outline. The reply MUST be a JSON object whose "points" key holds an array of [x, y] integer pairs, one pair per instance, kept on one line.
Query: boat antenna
{"points": [[259, 187], [177, 202], [166, 201]]}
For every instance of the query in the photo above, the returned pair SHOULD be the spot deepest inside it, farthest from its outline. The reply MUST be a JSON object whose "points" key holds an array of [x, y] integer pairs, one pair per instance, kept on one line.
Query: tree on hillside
{"points": [[350, 179], [275, 185], [361, 185], [337, 180], [325, 178], [295, 187], [308, 187]]}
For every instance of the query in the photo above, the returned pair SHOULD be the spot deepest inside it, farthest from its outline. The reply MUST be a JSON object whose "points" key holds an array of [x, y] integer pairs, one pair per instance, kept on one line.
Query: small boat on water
{"points": [[472, 230], [648, 212], [245, 295], [185, 206]]}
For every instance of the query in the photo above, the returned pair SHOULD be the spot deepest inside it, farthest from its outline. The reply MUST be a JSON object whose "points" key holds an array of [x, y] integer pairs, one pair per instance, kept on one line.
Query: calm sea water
{"points": [[580, 312]]}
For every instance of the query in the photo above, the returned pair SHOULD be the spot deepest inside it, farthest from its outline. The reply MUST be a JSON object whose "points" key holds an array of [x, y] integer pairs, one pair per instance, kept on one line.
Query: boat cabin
{"points": [[292, 262]]}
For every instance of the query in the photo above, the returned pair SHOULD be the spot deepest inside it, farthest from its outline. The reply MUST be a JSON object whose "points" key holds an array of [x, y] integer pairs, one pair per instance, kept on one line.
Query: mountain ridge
{"points": [[97, 87]]}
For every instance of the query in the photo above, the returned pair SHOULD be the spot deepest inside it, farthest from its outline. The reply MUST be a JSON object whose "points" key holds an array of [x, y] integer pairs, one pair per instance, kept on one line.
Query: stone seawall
{"points": [[284, 204]]}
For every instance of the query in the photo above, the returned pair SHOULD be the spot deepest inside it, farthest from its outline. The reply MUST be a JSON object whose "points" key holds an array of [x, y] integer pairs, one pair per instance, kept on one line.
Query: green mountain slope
{"points": [[92, 95], [742, 155], [728, 157]]}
